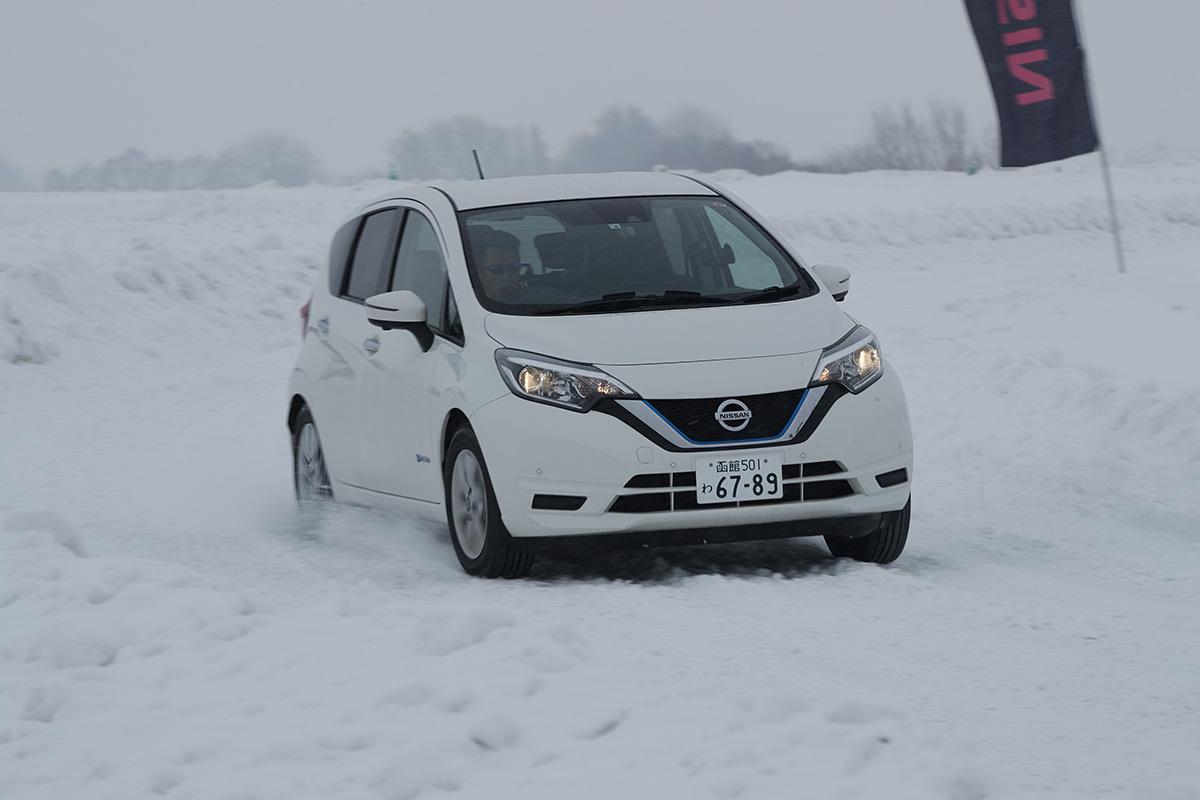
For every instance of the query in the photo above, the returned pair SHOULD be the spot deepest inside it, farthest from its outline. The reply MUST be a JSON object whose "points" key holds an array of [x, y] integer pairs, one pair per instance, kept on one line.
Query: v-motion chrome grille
{"points": [[697, 423]]}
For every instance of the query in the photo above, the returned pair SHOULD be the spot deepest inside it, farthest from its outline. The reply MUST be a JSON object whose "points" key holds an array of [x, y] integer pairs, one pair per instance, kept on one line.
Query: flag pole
{"points": [[1112, 208], [1112, 198]]}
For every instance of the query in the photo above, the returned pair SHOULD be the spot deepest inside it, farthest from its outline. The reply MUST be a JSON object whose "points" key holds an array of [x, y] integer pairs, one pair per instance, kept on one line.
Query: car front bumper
{"points": [[534, 449]]}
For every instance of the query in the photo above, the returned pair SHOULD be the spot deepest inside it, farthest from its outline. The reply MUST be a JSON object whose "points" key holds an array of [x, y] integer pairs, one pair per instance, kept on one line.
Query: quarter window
{"points": [[453, 321], [376, 244], [748, 260], [421, 267]]}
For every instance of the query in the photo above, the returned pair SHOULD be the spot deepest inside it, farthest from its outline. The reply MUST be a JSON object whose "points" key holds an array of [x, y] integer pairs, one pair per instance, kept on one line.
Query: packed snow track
{"points": [[170, 626]]}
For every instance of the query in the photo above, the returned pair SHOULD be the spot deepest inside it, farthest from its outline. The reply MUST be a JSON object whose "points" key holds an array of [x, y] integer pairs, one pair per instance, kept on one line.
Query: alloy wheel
{"points": [[312, 479], [469, 501]]}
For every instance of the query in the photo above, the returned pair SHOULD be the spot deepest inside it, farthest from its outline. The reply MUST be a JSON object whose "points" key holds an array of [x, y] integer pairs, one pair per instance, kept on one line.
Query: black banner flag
{"points": [[1033, 58]]}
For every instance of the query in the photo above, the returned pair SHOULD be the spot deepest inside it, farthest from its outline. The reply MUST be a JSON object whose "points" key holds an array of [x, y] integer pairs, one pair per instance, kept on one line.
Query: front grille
{"points": [[681, 489], [641, 503], [697, 420], [827, 490], [651, 480], [654, 480]]}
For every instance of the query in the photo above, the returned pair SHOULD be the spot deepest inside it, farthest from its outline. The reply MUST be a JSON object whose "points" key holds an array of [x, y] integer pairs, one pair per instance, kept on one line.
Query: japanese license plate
{"points": [[726, 479]]}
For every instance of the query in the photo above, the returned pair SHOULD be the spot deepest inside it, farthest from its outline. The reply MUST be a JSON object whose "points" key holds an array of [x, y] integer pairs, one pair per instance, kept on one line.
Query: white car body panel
{"points": [[326, 378], [397, 414], [596, 454], [731, 377], [676, 335], [383, 417]]}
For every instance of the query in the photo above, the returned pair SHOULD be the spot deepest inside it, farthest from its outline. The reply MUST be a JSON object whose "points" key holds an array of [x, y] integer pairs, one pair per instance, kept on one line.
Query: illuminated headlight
{"points": [[561, 383], [855, 361]]}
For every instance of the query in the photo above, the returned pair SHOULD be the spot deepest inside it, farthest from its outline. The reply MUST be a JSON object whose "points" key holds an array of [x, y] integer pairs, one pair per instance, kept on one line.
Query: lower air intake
{"points": [[558, 502]]}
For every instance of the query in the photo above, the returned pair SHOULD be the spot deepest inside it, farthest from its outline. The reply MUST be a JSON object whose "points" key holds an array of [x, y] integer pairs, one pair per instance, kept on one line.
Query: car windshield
{"points": [[624, 254]]}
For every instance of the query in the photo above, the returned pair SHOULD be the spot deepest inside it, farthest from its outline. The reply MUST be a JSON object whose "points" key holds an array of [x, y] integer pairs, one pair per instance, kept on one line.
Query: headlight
{"points": [[560, 383], [854, 361]]}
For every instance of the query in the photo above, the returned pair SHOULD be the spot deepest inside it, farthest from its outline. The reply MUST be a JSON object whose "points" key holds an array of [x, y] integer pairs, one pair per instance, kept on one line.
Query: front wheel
{"points": [[483, 545], [882, 546]]}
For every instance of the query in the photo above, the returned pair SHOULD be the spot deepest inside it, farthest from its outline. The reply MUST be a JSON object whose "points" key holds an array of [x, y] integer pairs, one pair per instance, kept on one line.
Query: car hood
{"points": [[666, 336]]}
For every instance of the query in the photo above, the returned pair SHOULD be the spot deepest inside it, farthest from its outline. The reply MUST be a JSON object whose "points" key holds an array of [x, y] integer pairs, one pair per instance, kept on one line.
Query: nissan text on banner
{"points": [[1033, 58]]}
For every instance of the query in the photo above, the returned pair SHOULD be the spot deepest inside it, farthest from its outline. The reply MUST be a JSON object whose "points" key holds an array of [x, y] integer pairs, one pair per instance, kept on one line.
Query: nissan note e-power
{"points": [[628, 358]]}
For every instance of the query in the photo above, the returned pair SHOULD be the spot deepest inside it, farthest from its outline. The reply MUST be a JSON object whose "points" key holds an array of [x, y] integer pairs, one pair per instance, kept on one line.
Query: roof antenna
{"points": [[478, 168]]}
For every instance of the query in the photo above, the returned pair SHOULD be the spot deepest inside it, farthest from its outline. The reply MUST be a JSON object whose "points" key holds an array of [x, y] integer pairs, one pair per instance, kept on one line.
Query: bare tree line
{"points": [[11, 178], [899, 138], [620, 138], [264, 157]]}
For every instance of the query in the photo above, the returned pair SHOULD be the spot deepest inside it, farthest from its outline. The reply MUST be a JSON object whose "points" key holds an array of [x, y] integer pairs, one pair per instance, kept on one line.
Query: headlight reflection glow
{"points": [[855, 362], [561, 383]]}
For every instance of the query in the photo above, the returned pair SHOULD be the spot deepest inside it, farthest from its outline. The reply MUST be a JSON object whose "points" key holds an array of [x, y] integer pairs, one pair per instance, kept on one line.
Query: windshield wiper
{"points": [[769, 294], [625, 301]]}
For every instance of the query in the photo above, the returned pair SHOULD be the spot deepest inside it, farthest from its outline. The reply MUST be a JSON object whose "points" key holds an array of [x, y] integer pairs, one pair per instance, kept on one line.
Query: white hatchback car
{"points": [[622, 358]]}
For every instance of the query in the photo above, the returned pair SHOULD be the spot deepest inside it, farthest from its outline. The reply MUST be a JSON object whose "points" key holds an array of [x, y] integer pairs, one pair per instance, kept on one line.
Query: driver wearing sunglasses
{"points": [[499, 264]]}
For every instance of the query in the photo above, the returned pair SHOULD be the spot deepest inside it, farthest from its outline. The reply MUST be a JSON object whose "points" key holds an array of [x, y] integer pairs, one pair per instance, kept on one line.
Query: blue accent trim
{"points": [[690, 440]]}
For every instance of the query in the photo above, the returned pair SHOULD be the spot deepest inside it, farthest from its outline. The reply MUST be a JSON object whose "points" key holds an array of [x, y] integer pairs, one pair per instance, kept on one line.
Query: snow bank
{"points": [[902, 209]]}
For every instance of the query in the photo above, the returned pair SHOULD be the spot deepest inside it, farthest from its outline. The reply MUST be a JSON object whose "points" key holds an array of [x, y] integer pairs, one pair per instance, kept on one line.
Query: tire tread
{"points": [[883, 546]]}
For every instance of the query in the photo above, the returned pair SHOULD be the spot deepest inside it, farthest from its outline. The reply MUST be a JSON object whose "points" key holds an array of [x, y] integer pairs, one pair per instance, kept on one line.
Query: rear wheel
{"points": [[309, 474], [483, 545], [882, 546]]}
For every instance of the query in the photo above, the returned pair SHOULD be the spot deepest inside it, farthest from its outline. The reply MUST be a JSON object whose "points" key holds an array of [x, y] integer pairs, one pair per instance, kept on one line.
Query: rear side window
{"points": [[421, 267], [373, 255], [339, 254]]}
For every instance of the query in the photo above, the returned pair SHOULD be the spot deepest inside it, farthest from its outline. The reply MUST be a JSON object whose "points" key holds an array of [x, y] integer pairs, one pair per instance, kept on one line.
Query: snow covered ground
{"points": [[169, 626]]}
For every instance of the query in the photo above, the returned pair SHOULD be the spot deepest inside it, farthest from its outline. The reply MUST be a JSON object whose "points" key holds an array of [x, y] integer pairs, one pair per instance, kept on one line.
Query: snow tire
{"points": [[498, 555], [882, 546]]}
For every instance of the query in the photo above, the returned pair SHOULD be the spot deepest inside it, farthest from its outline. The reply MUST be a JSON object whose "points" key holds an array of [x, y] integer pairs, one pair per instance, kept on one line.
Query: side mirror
{"points": [[836, 280], [402, 309]]}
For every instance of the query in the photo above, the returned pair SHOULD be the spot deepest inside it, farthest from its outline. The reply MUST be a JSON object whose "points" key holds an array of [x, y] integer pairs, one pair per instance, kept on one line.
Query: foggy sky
{"points": [[82, 80]]}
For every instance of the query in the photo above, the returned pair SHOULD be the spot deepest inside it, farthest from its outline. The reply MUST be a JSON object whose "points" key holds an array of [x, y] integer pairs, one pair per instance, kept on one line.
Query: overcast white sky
{"points": [[84, 80]]}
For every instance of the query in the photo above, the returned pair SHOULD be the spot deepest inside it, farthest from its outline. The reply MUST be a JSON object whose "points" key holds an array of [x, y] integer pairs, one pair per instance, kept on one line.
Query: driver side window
{"points": [[421, 267]]}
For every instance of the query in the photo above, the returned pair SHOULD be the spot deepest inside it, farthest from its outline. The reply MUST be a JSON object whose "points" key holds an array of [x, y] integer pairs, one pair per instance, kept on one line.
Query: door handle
{"points": [[371, 345], [323, 326]]}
